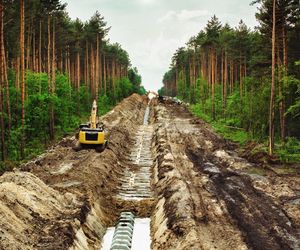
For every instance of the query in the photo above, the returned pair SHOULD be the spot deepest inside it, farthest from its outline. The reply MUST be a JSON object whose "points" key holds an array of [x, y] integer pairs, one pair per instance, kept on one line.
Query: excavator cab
{"points": [[92, 135]]}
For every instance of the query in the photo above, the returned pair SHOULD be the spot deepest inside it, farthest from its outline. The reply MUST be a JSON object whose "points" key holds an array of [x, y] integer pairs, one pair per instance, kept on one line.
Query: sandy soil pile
{"points": [[29, 206]]}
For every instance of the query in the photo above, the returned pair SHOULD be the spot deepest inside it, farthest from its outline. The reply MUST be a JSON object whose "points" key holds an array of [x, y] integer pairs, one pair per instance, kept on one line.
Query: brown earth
{"points": [[205, 195], [209, 199]]}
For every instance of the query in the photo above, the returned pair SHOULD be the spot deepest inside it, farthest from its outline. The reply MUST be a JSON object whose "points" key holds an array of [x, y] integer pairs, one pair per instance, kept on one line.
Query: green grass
{"points": [[289, 153], [235, 134], [197, 111]]}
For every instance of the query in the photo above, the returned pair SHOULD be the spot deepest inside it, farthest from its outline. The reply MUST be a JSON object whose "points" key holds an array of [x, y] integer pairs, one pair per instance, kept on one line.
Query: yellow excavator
{"points": [[92, 135]]}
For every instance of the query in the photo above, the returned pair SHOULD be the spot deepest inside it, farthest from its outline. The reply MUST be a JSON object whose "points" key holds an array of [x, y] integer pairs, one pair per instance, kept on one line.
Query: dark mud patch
{"points": [[263, 223]]}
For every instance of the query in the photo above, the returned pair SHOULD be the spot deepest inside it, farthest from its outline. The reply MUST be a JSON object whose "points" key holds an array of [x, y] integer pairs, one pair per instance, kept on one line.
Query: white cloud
{"points": [[156, 53], [191, 14], [146, 1], [167, 17], [183, 15]]}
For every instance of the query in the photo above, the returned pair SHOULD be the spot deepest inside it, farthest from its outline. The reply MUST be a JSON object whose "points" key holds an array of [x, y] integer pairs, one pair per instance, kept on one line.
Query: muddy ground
{"points": [[210, 198], [205, 195]]}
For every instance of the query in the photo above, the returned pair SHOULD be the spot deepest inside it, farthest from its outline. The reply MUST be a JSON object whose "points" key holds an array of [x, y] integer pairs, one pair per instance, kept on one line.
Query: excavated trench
{"points": [[134, 194], [167, 181]]}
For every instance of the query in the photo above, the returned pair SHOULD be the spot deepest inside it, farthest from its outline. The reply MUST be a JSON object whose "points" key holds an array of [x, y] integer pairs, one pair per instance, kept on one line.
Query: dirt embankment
{"points": [[64, 199], [208, 197]]}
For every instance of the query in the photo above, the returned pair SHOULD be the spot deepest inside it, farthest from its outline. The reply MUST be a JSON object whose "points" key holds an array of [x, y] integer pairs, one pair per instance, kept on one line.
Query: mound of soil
{"points": [[64, 199]]}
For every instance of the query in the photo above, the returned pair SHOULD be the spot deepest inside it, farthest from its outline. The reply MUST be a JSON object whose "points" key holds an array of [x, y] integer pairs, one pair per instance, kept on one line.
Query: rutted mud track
{"points": [[207, 199], [203, 195]]}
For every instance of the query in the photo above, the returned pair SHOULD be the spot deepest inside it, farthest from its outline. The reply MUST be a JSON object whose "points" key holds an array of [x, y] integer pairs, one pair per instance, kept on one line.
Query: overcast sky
{"points": [[152, 30]]}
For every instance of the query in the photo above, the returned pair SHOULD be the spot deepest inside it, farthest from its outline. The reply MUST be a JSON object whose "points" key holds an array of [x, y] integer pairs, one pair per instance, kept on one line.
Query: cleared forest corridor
{"points": [[131, 232], [206, 158], [167, 181]]}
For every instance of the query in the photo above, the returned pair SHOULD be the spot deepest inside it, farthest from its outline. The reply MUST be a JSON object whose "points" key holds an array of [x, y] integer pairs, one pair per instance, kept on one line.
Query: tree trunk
{"points": [[52, 126], [40, 47], [190, 73], [78, 70], [3, 148], [72, 71], [97, 67], [53, 59], [203, 65], [213, 84], [27, 66], [61, 63], [104, 73], [100, 67], [69, 66], [216, 67], [222, 81], [231, 68], [209, 69], [88, 75], [33, 51], [93, 89], [50, 87], [272, 97], [49, 54], [4, 71], [241, 77], [113, 76], [222, 67], [17, 85], [2, 125], [22, 25], [282, 102], [176, 79], [245, 67], [225, 81], [65, 70], [86, 62]]}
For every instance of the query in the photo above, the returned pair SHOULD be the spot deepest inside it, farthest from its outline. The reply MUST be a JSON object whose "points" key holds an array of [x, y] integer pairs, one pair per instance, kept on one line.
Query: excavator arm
{"points": [[92, 134], [94, 118]]}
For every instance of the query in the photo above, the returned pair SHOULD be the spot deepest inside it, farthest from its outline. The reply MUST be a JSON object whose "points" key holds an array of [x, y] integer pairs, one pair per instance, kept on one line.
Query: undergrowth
{"points": [[288, 153]]}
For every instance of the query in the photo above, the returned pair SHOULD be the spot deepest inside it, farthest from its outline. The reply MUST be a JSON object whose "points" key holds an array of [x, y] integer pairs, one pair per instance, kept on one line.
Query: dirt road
{"points": [[170, 167]]}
